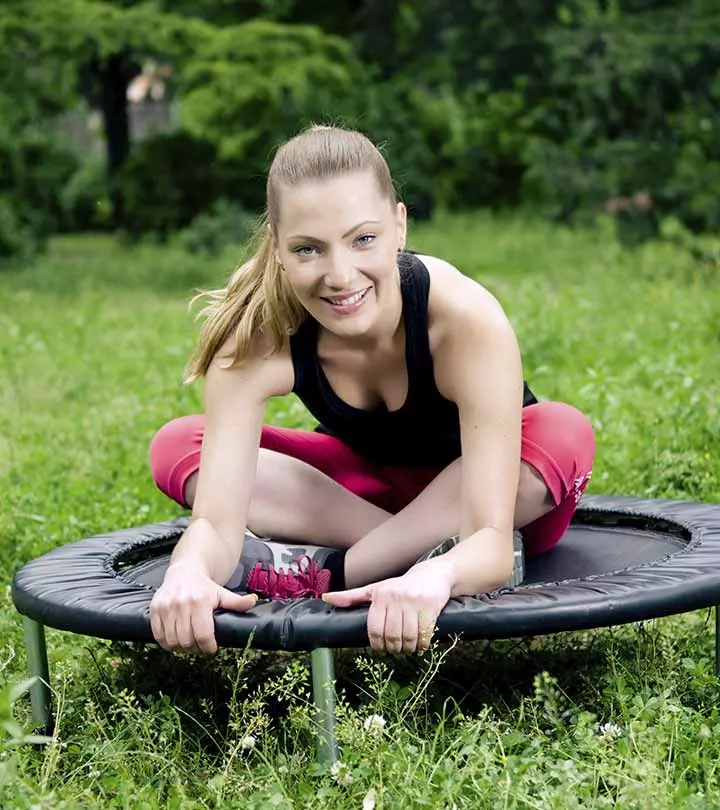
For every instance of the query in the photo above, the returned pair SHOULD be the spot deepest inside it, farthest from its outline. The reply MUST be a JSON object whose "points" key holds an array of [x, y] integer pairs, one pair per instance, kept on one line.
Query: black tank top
{"points": [[425, 431]]}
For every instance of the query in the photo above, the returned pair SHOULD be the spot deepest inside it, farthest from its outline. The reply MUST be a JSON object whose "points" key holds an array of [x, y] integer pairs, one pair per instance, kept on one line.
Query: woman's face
{"points": [[338, 240]]}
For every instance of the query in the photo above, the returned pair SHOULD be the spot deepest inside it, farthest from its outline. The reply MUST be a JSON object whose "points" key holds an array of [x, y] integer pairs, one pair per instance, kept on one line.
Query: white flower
{"points": [[341, 773], [369, 800], [248, 742], [375, 723], [610, 731]]}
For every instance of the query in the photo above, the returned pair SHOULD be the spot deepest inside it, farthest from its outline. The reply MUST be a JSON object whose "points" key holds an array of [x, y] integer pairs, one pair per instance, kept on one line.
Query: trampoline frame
{"points": [[322, 660]]}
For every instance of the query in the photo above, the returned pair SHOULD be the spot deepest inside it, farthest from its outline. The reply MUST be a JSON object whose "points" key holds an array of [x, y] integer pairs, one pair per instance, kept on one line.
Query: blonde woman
{"points": [[427, 428]]}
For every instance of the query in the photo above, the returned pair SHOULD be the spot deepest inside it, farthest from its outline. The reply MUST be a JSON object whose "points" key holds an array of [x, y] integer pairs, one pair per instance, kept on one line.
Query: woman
{"points": [[428, 430]]}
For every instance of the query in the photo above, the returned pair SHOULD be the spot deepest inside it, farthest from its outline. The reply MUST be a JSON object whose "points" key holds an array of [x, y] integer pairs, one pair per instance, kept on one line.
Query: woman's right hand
{"points": [[181, 612]]}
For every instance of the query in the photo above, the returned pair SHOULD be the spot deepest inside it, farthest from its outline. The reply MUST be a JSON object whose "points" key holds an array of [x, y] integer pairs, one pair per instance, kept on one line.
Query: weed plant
{"points": [[93, 340]]}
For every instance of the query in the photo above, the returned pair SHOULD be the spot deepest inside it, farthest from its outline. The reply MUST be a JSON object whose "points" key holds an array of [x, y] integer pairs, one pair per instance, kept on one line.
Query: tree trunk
{"points": [[113, 75]]}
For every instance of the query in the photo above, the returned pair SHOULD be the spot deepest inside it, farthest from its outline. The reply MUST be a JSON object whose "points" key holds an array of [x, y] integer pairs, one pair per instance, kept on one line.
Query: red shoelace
{"points": [[309, 580]]}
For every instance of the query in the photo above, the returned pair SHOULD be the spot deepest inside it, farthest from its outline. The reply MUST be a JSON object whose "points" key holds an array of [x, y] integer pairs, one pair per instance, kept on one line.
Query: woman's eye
{"points": [[366, 239], [303, 250]]}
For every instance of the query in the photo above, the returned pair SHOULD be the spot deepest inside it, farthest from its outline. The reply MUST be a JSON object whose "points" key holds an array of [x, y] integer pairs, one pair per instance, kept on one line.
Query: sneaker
{"points": [[280, 570], [518, 573], [441, 548], [310, 580]]}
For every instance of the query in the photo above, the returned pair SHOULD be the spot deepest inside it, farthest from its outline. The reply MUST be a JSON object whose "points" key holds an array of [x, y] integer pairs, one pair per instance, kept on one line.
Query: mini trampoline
{"points": [[622, 560]]}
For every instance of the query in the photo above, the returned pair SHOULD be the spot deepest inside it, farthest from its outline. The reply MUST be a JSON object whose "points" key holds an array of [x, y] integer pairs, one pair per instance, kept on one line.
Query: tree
{"points": [[103, 44]]}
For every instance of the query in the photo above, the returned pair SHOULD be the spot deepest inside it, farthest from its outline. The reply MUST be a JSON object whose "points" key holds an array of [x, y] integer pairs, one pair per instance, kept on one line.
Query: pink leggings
{"points": [[557, 441]]}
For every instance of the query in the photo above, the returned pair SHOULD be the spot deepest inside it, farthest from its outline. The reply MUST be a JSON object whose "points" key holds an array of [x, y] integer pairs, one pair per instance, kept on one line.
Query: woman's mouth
{"points": [[346, 304]]}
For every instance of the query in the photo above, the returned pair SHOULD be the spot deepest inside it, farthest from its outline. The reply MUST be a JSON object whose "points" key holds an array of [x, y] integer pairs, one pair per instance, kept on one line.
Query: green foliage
{"points": [[167, 181], [632, 112], [223, 224], [575, 107], [33, 172], [250, 86], [85, 199]]}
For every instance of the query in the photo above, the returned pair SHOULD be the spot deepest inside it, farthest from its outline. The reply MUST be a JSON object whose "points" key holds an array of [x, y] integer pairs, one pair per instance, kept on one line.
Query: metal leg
{"points": [[323, 676], [717, 640], [37, 659]]}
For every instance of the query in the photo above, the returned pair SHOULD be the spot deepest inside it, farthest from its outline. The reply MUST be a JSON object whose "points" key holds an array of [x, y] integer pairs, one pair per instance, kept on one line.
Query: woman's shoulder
{"points": [[266, 368], [457, 299]]}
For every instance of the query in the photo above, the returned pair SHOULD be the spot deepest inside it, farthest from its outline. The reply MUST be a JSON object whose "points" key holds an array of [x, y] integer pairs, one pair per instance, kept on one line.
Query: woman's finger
{"points": [[426, 630], [171, 638], [410, 630], [157, 627], [376, 626], [184, 629], [351, 598], [394, 629], [203, 630]]}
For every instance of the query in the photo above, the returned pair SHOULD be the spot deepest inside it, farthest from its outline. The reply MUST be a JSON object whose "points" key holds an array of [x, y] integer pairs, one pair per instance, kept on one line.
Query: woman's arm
{"points": [[478, 367], [234, 407], [181, 612]]}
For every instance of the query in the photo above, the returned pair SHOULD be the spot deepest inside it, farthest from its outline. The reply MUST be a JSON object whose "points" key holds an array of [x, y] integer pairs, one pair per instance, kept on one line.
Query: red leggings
{"points": [[557, 441]]}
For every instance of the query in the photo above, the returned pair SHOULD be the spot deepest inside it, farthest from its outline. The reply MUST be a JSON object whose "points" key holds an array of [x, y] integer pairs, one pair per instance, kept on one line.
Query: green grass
{"points": [[93, 339]]}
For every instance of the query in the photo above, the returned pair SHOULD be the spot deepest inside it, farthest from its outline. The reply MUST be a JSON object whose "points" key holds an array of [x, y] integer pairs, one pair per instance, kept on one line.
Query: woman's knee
{"points": [[175, 454], [559, 442], [561, 427]]}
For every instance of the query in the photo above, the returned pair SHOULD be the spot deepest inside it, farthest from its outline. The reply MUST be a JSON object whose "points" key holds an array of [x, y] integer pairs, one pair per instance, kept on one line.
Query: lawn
{"points": [[93, 340]]}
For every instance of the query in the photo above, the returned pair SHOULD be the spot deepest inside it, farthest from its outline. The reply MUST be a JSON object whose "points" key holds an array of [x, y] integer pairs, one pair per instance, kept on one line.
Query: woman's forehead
{"points": [[333, 204]]}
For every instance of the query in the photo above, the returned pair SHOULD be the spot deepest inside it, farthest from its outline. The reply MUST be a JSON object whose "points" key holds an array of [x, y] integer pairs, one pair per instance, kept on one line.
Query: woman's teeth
{"points": [[344, 302]]}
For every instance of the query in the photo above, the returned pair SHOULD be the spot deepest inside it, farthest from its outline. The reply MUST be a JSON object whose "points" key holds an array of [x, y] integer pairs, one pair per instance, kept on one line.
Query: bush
{"points": [[629, 121], [33, 173], [17, 237], [253, 86], [167, 181], [224, 223], [86, 198]]}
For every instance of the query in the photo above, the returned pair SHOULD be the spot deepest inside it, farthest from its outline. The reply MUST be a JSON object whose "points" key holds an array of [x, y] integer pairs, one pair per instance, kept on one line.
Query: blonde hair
{"points": [[258, 299]]}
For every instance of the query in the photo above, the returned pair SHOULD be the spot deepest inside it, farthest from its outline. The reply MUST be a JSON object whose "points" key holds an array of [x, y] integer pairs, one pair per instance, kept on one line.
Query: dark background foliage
{"points": [[577, 108]]}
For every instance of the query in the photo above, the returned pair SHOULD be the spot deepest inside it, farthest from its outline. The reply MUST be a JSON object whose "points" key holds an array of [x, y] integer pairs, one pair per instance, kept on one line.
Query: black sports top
{"points": [[425, 431]]}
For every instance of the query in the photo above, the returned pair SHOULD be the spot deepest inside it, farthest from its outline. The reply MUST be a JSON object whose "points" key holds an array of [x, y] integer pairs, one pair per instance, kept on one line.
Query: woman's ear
{"points": [[276, 252], [402, 225]]}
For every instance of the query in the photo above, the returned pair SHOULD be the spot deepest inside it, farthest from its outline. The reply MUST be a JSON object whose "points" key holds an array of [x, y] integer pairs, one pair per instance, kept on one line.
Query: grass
{"points": [[93, 338]]}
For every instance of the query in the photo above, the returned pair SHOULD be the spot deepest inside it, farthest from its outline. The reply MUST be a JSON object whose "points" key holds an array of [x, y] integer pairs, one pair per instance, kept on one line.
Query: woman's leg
{"points": [[313, 488], [557, 453], [558, 441], [309, 486]]}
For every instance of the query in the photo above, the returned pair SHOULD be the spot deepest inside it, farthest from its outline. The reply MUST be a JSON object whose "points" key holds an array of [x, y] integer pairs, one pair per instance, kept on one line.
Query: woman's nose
{"points": [[339, 272]]}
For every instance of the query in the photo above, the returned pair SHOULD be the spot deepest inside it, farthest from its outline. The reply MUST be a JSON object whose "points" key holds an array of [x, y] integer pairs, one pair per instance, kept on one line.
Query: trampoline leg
{"points": [[36, 652], [717, 640], [323, 676]]}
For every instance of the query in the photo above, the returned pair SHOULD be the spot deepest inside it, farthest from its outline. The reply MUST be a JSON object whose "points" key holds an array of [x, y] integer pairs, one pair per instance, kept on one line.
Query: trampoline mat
{"points": [[583, 552], [624, 559]]}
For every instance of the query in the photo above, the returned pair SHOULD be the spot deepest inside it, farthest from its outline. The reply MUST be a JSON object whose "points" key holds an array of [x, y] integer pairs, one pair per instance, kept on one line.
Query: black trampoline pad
{"points": [[624, 559], [592, 550], [584, 551]]}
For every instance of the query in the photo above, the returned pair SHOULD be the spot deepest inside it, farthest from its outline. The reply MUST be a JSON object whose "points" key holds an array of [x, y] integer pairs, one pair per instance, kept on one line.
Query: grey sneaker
{"points": [[279, 569], [518, 573]]}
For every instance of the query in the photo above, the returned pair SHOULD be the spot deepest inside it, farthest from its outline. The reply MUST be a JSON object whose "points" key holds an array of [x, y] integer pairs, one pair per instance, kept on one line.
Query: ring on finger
{"points": [[425, 636]]}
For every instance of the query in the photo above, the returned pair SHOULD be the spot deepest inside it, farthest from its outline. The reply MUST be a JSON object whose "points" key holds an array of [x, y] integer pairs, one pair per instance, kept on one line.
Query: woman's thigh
{"points": [[175, 457]]}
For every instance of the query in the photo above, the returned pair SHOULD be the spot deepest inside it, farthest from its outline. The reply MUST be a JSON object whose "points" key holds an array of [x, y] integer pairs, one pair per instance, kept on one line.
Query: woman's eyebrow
{"points": [[344, 236]]}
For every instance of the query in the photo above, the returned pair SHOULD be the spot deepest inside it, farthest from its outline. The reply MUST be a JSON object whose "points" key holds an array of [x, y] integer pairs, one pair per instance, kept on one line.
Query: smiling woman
{"points": [[427, 429]]}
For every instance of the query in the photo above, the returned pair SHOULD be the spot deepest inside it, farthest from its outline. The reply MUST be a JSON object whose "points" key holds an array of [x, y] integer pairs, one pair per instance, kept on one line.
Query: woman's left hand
{"points": [[403, 610]]}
